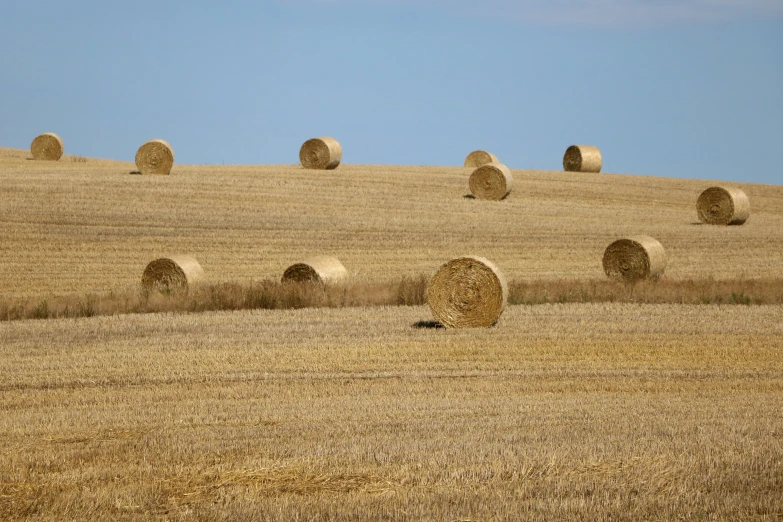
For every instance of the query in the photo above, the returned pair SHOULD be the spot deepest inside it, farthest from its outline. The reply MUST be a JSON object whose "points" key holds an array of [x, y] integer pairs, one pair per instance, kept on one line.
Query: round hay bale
{"points": [[491, 181], [172, 274], [47, 146], [467, 292], [582, 158], [633, 258], [318, 269], [322, 153], [478, 158], [723, 206], [155, 157]]}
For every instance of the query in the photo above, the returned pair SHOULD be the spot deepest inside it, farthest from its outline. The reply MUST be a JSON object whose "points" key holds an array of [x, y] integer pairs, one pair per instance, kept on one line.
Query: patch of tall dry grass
{"points": [[405, 291]]}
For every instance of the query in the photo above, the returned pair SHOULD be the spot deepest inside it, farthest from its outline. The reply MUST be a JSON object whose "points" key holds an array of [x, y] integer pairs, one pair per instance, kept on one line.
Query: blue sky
{"points": [[689, 88]]}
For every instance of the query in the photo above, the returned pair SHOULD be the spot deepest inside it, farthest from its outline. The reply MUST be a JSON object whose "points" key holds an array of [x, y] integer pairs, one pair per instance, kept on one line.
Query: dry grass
{"points": [[71, 228], [599, 412], [405, 291], [608, 411]]}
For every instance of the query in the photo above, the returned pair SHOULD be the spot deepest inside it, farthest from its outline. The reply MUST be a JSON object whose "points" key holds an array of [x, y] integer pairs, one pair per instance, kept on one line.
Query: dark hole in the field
{"points": [[427, 324]]}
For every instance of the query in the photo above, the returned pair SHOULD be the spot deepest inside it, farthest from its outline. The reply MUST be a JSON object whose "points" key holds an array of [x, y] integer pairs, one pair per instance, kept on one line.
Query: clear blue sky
{"points": [[688, 88]]}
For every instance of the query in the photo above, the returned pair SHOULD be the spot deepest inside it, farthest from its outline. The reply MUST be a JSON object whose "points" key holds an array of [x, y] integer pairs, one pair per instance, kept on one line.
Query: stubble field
{"points": [[590, 411]]}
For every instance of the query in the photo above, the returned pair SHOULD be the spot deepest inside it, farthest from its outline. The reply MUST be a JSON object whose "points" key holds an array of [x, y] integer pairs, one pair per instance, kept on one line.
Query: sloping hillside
{"points": [[85, 225]]}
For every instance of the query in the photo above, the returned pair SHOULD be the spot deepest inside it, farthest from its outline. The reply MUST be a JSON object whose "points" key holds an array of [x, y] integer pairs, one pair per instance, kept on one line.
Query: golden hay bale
{"points": [[582, 158], [318, 269], [491, 181], [155, 157], [47, 146], [632, 258], [322, 153], [467, 292], [478, 158], [723, 206], [172, 274]]}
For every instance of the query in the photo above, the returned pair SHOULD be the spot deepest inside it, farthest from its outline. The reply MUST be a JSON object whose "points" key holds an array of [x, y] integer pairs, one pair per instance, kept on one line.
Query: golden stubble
{"points": [[92, 227], [558, 410]]}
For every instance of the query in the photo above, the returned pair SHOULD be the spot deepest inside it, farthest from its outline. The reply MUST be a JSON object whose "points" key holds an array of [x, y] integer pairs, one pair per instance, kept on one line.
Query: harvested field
{"points": [[357, 410], [560, 411], [91, 227]]}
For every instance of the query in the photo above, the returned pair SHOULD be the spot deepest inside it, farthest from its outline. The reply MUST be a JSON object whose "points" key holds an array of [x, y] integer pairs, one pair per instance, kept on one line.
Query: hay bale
{"points": [[478, 158], [322, 153], [155, 157], [582, 158], [467, 292], [47, 146], [491, 181], [633, 258], [318, 269], [172, 274], [723, 206]]}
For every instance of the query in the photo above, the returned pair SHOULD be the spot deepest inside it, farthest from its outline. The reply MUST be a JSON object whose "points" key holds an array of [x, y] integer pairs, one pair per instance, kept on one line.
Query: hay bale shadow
{"points": [[428, 324], [469, 196], [135, 172], [697, 223]]}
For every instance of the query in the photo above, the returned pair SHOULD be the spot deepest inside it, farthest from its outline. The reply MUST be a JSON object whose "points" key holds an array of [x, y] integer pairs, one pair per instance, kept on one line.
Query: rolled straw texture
{"points": [[318, 269], [582, 158], [633, 258], [47, 146], [467, 292], [492, 181], [322, 153], [172, 274], [723, 206], [478, 158], [155, 157]]}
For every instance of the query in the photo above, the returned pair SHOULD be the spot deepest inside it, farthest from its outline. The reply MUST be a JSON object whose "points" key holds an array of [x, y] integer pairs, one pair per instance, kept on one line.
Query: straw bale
{"points": [[318, 269], [155, 157], [633, 258], [47, 146], [322, 153], [467, 292], [491, 181], [582, 158], [172, 274], [723, 206], [478, 158]]}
